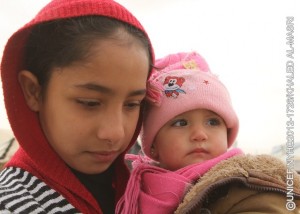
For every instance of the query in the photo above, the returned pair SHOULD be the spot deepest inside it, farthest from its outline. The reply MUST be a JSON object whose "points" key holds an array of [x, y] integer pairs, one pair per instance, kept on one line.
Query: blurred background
{"points": [[244, 42]]}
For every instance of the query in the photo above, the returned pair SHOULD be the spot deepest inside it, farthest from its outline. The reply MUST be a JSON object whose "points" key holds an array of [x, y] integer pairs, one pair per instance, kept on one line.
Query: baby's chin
{"points": [[175, 168], [195, 162]]}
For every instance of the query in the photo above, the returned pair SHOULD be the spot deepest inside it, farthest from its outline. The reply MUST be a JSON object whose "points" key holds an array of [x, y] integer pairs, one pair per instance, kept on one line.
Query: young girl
{"points": [[73, 106], [188, 126]]}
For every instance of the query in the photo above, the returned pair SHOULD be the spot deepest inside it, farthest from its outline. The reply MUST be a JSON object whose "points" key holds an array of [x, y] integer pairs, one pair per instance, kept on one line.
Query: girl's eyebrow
{"points": [[141, 92], [95, 87], [106, 90]]}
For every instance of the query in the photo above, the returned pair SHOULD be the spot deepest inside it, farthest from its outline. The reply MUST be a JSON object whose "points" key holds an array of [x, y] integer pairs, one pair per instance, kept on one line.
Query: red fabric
{"points": [[35, 154]]}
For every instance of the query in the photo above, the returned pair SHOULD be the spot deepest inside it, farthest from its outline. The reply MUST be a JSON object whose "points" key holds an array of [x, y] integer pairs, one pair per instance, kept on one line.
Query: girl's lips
{"points": [[105, 156]]}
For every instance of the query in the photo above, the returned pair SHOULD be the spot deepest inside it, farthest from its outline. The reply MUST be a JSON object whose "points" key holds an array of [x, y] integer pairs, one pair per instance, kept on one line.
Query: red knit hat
{"points": [[183, 82], [40, 159]]}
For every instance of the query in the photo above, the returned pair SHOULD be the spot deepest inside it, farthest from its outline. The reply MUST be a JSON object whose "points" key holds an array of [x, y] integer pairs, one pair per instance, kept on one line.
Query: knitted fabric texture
{"points": [[183, 82], [35, 154]]}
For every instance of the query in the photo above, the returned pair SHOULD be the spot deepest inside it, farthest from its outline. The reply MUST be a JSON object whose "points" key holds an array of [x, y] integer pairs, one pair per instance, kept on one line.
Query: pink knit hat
{"points": [[183, 82]]}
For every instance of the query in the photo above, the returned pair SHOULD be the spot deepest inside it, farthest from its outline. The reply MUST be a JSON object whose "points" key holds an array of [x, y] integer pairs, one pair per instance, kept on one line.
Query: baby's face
{"points": [[192, 137]]}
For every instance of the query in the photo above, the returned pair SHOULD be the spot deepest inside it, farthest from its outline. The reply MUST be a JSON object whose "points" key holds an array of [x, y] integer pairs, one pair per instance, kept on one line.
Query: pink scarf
{"points": [[152, 189]]}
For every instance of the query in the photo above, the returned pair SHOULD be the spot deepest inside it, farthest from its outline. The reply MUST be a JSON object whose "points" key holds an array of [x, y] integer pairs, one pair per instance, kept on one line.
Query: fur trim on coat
{"points": [[243, 184]]}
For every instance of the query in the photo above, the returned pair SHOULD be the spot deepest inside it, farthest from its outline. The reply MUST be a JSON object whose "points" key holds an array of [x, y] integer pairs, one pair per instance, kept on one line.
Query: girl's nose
{"points": [[111, 128], [198, 133]]}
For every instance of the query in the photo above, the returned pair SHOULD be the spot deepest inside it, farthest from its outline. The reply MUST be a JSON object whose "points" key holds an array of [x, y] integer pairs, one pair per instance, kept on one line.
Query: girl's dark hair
{"points": [[59, 43]]}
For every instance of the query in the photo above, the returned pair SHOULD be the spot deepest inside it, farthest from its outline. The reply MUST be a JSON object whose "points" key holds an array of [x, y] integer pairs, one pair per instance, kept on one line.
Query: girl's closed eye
{"points": [[179, 123], [88, 103], [133, 105]]}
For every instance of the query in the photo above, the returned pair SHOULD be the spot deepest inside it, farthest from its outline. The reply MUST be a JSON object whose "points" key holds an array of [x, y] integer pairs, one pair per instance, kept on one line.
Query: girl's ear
{"points": [[31, 89]]}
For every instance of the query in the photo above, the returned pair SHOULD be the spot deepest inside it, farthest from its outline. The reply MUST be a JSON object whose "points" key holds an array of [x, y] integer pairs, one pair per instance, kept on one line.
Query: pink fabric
{"points": [[152, 189]]}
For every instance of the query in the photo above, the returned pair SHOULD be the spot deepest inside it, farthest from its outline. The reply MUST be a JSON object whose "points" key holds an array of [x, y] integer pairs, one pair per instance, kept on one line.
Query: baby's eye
{"points": [[213, 122], [179, 122], [88, 103]]}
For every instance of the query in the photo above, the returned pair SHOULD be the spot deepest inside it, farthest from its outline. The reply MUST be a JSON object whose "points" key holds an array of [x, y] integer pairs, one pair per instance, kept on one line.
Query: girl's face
{"points": [[192, 137], [90, 110]]}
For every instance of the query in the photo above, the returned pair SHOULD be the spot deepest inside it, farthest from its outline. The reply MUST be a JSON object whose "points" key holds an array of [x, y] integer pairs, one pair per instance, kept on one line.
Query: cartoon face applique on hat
{"points": [[172, 86]]}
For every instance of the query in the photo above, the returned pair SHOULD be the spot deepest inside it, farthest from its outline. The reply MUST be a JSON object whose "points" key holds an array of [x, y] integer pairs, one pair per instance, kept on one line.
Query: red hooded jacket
{"points": [[35, 155]]}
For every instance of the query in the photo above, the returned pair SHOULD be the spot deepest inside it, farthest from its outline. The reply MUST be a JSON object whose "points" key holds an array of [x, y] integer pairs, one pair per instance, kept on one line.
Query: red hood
{"points": [[35, 155]]}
